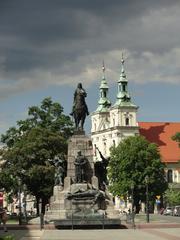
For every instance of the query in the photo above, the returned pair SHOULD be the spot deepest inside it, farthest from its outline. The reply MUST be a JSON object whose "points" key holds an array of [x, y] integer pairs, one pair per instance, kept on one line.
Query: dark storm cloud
{"points": [[48, 35], [43, 21]]}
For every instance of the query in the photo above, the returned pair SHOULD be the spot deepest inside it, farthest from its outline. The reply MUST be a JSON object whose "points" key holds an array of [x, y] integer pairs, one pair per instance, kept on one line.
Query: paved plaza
{"points": [[128, 234], [113, 234], [160, 227]]}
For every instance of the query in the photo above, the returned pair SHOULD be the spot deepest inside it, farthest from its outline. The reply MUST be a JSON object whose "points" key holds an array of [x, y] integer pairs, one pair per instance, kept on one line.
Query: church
{"points": [[112, 122]]}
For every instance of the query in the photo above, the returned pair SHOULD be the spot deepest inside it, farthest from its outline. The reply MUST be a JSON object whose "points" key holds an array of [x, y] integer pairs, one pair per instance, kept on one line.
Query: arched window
{"points": [[169, 176], [95, 150], [90, 143], [124, 88], [113, 122], [114, 143], [127, 121], [105, 148]]}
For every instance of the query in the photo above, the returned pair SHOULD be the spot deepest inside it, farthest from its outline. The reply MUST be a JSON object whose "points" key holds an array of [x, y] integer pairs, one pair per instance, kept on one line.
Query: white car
{"points": [[168, 211], [176, 211]]}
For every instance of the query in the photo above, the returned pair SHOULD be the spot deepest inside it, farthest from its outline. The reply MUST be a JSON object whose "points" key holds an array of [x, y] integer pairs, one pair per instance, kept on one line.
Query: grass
{"points": [[7, 237]]}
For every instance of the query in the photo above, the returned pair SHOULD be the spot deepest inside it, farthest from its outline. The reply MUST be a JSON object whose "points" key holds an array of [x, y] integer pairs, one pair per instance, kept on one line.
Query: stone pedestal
{"points": [[80, 200], [80, 142], [57, 192]]}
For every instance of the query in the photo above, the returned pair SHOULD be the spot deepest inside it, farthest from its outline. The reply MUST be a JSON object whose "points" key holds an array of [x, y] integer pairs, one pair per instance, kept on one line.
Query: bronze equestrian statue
{"points": [[79, 109]]}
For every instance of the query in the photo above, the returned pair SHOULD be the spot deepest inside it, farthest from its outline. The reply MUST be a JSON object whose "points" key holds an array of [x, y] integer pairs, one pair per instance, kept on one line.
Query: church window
{"points": [[94, 149], [124, 88], [114, 143], [113, 122], [169, 176], [119, 88], [105, 148], [127, 121]]}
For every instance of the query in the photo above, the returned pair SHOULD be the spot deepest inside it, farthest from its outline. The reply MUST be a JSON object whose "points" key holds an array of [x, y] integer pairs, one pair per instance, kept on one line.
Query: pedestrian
{"points": [[3, 218]]}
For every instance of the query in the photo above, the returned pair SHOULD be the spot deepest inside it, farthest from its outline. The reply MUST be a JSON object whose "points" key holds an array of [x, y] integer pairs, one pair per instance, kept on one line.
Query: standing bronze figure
{"points": [[79, 109], [101, 171], [80, 164]]}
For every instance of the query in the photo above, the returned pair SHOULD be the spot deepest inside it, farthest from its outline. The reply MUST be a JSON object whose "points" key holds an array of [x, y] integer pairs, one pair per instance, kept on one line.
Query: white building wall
{"points": [[110, 128]]}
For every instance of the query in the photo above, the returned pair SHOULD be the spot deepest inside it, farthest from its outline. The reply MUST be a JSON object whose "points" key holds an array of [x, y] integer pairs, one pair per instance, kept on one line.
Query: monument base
{"points": [[81, 204], [88, 223]]}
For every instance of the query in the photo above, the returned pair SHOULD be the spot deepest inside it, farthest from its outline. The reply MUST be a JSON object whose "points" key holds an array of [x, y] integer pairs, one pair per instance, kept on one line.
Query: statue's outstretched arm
{"points": [[102, 157]]}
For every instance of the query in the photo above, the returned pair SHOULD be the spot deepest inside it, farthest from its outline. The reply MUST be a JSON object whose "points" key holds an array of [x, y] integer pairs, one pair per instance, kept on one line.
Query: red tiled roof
{"points": [[161, 133]]}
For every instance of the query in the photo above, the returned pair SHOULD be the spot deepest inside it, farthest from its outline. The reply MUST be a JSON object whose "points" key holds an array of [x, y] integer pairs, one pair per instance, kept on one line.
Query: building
{"points": [[161, 133], [113, 122]]}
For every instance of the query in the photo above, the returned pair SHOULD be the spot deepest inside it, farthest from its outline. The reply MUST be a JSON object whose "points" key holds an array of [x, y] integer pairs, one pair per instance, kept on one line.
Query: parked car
{"points": [[168, 211], [176, 211]]}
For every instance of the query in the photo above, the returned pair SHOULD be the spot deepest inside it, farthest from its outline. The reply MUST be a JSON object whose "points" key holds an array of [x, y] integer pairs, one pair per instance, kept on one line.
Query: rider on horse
{"points": [[79, 109]]}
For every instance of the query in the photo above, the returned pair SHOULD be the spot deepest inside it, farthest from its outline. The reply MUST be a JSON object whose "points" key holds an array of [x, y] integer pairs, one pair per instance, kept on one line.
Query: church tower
{"points": [[100, 119], [116, 122]]}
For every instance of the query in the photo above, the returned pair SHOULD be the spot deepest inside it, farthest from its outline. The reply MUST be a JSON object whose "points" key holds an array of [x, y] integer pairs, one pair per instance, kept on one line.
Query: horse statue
{"points": [[79, 109]]}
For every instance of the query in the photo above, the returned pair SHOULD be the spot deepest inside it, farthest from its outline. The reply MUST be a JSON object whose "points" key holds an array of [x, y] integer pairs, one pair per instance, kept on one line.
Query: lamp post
{"points": [[25, 203], [147, 198], [132, 197], [132, 201], [19, 198]]}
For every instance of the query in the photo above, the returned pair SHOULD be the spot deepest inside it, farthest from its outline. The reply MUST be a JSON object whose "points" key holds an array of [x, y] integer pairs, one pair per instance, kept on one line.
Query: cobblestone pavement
{"points": [[113, 234], [160, 227]]}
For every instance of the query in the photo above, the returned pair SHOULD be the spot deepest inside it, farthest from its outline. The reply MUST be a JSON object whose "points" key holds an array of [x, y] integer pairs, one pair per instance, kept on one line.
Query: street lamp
{"points": [[24, 203], [147, 198], [19, 198], [132, 197], [132, 202]]}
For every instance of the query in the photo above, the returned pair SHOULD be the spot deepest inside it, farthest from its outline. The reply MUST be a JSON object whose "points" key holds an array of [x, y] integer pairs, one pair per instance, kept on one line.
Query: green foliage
{"points": [[29, 146], [130, 162], [172, 197], [176, 137], [6, 180], [8, 237]]}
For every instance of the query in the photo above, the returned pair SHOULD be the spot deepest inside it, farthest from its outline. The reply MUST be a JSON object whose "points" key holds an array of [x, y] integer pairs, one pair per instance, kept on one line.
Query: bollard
{"points": [[103, 220], [41, 221]]}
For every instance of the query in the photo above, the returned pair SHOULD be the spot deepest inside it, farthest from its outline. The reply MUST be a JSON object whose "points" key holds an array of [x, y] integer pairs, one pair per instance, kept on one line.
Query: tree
{"points": [[172, 197], [176, 138], [130, 162], [29, 147]]}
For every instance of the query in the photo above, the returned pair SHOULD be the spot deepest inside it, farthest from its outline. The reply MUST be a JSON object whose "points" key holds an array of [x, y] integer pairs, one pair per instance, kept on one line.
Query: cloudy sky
{"points": [[48, 46]]}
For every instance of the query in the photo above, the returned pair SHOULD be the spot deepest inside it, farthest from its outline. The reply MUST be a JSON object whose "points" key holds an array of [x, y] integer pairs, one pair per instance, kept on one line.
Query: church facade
{"points": [[112, 122]]}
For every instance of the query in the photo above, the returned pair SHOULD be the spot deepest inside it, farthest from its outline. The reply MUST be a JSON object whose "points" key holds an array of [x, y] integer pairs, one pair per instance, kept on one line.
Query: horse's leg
{"points": [[76, 121], [76, 124], [82, 122]]}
